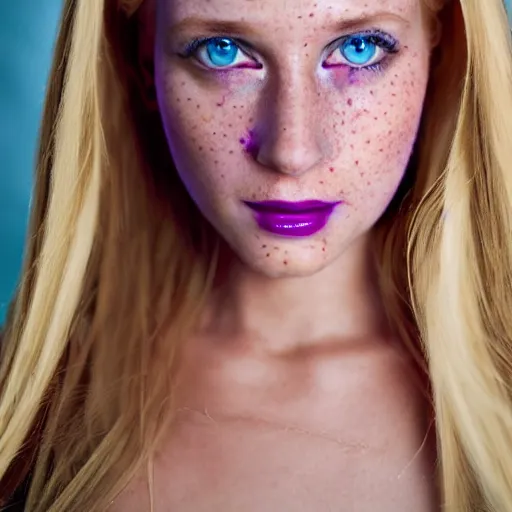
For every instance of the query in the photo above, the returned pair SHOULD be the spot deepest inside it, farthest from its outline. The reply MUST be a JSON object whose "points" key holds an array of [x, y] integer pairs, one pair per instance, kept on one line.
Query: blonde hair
{"points": [[115, 245]]}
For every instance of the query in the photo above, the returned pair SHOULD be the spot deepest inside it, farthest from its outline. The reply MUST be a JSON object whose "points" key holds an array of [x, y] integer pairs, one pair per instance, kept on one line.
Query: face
{"points": [[291, 123]]}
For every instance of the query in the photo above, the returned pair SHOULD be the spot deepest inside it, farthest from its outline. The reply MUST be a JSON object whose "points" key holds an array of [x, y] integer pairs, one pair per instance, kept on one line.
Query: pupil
{"points": [[223, 45], [359, 45]]}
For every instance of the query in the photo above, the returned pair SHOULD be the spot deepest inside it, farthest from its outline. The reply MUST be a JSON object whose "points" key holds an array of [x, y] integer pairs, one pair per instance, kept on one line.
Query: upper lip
{"points": [[290, 207]]}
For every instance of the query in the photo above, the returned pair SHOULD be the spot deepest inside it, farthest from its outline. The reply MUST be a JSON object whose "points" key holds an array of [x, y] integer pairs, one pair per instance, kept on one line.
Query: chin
{"points": [[285, 263]]}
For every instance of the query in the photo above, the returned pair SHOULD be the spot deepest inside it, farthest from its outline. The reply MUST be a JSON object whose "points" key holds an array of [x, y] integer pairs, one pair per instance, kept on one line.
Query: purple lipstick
{"points": [[299, 219]]}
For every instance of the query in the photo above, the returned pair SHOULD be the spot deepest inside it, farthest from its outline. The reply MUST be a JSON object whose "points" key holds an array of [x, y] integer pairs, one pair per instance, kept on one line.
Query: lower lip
{"points": [[294, 224]]}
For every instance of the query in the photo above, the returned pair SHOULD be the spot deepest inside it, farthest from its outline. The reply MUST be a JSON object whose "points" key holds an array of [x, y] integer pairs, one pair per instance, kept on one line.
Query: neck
{"points": [[337, 304]]}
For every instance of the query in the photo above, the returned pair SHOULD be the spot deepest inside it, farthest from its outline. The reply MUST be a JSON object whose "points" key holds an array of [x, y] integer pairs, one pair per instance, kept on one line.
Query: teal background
{"points": [[27, 33]]}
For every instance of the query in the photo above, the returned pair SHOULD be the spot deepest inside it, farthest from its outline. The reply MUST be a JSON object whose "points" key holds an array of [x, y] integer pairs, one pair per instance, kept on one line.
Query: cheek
{"points": [[203, 132], [375, 127]]}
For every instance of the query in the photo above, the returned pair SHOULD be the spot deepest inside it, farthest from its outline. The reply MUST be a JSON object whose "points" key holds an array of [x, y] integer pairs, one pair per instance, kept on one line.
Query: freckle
{"points": [[222, 175], [321, 182], [268, 255], [225, 135], [323, 249], [276, 248], [189, 99], [367, 142], [357, 162], [231, 151], [216, 162], [349, 102], [198, 106], [311, 14], [299, 17], [353, 132], [200, 148], [371, 92], [342, 123], [392, 83], [264, 246], [285, 262], [305, 44], [381, 150]]}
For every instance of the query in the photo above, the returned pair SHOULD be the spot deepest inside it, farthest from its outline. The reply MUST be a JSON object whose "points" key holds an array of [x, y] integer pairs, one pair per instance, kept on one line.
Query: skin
{"points": [[294, 351]]}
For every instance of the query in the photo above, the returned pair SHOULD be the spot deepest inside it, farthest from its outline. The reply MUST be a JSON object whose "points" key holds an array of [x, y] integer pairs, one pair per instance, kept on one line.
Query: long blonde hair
{"points": [[117, 255]]}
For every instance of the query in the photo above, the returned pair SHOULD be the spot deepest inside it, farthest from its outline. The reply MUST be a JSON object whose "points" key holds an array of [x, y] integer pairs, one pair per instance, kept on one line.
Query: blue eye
{"points": [[221, 51], [359, 50]]}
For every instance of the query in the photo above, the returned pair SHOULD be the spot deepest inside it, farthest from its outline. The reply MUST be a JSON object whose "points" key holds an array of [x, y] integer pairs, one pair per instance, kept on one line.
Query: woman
{"points": [[341, 339]]}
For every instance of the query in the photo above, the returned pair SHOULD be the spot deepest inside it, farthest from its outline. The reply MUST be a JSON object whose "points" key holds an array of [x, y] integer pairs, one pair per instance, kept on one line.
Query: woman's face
{"points": [[291, 123]]}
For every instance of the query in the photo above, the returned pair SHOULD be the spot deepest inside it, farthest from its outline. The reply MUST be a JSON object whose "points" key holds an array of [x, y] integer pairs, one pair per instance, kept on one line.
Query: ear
{"points": [[146, 23]]}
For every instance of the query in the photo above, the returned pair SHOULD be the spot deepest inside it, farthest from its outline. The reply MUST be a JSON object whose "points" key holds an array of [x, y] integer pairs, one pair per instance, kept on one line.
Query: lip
{"points": [[292, 219]]}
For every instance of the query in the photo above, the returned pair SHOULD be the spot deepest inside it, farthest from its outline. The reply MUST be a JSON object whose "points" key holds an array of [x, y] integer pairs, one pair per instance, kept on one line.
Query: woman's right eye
{"points": [[219, 53]]}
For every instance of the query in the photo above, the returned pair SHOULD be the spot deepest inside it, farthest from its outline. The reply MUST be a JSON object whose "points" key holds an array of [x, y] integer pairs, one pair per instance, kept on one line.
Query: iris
{"points": [[221, 51], [358, 50]]}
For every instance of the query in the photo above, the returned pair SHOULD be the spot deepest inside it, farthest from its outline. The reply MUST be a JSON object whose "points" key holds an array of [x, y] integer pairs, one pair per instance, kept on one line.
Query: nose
{"points": [[288, 131]]}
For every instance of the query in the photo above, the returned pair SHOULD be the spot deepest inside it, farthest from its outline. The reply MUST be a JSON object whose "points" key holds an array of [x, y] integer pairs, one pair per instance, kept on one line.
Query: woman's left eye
{"points": [[219, 53], [362, 51]]}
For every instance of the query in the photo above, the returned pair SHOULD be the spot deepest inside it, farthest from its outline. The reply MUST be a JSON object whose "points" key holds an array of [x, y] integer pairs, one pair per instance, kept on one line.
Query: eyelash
{"points": [[383, 41]]}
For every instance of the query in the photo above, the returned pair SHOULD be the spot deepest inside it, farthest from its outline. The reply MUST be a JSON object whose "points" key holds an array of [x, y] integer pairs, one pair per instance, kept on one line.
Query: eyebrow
{"points": [[212, 26]]}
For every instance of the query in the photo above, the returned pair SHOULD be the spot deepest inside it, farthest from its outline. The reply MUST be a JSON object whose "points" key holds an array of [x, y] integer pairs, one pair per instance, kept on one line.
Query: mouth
{"points": [[292, 219]]}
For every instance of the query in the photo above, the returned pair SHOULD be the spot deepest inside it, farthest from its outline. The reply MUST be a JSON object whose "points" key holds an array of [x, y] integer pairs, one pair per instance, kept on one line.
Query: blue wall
{"points": [[27, 31]]}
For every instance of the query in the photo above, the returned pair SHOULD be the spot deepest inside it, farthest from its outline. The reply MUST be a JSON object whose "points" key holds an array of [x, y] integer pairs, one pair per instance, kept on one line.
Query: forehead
{"points": [[268, 11]]}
